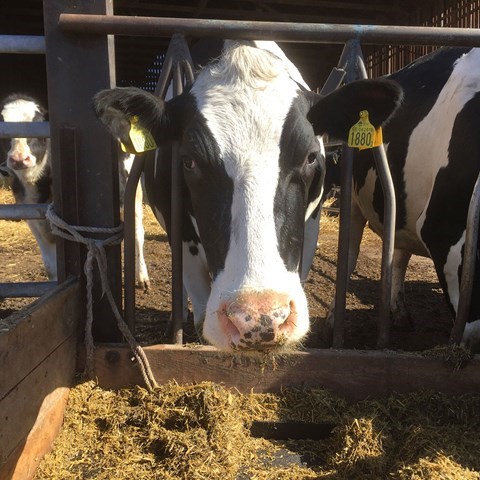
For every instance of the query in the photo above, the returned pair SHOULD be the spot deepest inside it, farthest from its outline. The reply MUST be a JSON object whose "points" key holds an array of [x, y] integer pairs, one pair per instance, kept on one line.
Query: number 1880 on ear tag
{"points": [[363, 134]]}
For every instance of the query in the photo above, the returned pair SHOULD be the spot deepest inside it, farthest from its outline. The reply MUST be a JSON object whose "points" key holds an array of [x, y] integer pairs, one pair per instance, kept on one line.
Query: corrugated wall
{"points": [[446, 13]]}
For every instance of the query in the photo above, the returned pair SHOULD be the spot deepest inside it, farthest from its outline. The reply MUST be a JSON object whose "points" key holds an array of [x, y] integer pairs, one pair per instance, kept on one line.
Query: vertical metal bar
{"points": [[388, 245], [177, 60], [343, 245], [71, 87], [129, 254], [129, 209], [388, 239], [347, 62], [468, 268], [176, 226], [165, 75], [69, 257]]}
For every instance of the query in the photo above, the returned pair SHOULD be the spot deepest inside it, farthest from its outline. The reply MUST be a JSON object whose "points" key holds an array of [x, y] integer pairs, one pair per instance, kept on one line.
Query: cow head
{"points": [[254, 168], [25, 156]]}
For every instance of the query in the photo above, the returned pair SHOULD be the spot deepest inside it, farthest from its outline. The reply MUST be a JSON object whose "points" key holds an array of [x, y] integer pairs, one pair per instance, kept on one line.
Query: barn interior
{"points": [[139, 59]]}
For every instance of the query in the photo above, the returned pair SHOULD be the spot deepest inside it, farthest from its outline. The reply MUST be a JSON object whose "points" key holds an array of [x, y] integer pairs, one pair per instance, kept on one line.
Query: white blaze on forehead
{"points": [[245, 99], [20, 111]]}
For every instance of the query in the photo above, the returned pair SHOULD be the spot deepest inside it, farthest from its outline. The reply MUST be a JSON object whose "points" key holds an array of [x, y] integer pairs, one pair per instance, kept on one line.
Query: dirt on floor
{"points": [[20, 261]]}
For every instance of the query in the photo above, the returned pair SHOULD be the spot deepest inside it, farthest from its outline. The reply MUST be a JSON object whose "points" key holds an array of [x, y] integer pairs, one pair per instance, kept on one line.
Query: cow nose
{"points": [[258, 320], [18, 160]]}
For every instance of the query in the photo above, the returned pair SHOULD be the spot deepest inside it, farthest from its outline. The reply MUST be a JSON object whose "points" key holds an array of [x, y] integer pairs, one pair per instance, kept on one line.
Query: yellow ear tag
{"points": [[141, 138], [363, 134]]}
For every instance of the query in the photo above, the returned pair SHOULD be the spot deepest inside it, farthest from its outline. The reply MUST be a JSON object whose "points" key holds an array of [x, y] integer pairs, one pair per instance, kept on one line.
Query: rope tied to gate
{"points": [[96, 252]]}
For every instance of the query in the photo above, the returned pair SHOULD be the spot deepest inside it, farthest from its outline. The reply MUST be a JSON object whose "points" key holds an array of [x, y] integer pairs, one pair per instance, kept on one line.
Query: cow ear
{"points": [[337, 112], [116, 107]]}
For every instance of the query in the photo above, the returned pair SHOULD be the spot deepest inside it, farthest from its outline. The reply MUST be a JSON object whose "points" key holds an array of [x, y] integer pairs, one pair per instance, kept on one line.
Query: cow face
{"points": [[24, 154], [254, 169]]}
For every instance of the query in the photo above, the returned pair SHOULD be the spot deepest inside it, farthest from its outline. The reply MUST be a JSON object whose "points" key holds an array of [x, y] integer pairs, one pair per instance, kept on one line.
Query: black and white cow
{"points": [[433, 149], [28, 162], [253, 171]]}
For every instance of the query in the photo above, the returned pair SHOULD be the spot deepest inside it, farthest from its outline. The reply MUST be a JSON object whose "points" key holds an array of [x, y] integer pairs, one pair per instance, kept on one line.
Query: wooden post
{"points": [[84, 160]]}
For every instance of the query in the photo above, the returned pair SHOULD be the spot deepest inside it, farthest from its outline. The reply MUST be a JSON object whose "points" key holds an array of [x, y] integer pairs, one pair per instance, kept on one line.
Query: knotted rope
{"points": [[96, 251]]}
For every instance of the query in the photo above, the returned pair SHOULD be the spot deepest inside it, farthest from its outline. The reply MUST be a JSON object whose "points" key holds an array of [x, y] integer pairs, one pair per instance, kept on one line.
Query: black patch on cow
{"points": [[207, 191], [422, 82], [300, 181], [446, 214], [210, 190], [193, 250]]}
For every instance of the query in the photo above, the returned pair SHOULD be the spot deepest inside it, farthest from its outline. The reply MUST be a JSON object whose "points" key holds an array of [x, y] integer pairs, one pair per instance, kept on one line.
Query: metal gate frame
{"points": [[75, 32]]}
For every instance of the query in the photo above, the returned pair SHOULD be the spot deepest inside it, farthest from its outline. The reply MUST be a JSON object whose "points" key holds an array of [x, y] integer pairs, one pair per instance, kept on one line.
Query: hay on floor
{"points": [[202, 432]]}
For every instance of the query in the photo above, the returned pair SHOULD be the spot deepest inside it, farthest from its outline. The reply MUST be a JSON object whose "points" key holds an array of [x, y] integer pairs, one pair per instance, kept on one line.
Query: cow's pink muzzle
{"points": [[258, 320]]}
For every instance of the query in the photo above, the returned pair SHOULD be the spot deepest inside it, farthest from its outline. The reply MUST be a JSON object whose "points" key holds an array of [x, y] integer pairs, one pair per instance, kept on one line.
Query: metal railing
{"points": [[83, 24], [23, 44]]}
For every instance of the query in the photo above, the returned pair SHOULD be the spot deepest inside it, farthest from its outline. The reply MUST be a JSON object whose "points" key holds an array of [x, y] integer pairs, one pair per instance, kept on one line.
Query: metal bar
{"points": [[389, 221], [129, 240], [23, 212], [278, 31], [343, 246], [22, 44], [25, 289], [165, 76], [347, 62], [388, 245], [468, 268], [177, 246], [176, 224], [24, 129]]}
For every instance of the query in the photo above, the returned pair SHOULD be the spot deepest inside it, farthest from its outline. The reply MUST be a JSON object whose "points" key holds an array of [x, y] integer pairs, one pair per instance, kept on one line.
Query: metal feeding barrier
{"points": [[177, 69], [23, 44], [350, 67]]}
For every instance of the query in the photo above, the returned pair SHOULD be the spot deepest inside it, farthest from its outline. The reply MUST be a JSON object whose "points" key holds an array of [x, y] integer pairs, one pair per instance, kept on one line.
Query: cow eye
{"points": [[311, 158], [188, 162]]}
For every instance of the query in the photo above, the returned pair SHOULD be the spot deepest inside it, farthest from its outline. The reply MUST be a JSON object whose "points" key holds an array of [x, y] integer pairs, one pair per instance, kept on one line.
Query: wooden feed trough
{"points": [[37, 356]]}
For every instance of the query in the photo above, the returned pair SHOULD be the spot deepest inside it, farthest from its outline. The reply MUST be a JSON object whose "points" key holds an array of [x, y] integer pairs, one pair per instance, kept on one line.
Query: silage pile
{"points": [[202, 432]]}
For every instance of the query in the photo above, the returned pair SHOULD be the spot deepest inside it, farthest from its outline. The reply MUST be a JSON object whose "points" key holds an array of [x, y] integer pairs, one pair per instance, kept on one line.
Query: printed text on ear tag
{"points": [[141, 138], [363, 134]]}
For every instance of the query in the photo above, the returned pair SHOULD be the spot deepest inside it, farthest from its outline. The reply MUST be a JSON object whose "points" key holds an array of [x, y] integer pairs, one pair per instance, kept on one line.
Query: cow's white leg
{"points": [[357, 224], [46, 241], [400, 315], [140, 266]]}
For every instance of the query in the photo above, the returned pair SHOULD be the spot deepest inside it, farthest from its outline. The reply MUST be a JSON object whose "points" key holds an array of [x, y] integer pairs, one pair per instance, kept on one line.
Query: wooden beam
{"points": [[27, 337], [32, 414], [38, 356], [352, 374]]}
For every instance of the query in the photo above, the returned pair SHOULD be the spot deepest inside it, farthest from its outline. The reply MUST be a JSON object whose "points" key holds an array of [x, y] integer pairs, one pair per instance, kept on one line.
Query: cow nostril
{"points": [[229, 327], [289, 320]]}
